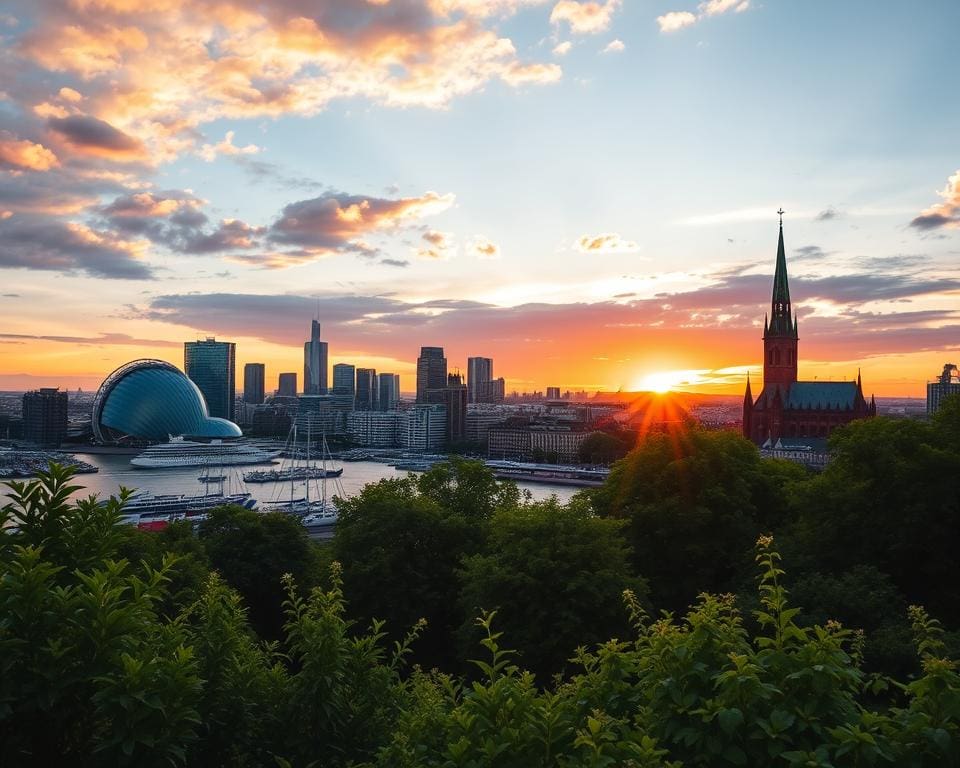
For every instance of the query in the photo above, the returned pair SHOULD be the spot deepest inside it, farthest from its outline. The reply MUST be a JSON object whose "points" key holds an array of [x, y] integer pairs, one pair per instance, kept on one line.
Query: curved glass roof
{"points": [[153, 400]]}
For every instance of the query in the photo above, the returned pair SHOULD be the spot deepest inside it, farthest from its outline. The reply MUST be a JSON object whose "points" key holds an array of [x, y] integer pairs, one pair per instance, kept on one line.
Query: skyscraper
{"points": [[45, 417], [455, 398], [431, 375], [366, 397], [253, 378], [479, 372], [388, 391], [344, 376], [211, 365], [287, 385], [553, 393], [315, 362]]}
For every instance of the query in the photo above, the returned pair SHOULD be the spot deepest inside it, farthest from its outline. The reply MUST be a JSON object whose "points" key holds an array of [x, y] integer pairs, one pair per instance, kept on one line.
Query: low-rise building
{"points": [[423, 427], [376, 429]]}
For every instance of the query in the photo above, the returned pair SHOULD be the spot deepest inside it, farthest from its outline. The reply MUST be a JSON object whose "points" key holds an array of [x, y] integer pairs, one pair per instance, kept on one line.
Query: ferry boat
{"points": [[286, 475], [549, 474], [180, 452], [145, 507]]}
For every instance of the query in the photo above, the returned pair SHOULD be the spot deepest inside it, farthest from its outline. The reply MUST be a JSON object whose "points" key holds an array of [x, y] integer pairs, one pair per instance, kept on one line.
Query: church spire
{"points": [[781, 319]]}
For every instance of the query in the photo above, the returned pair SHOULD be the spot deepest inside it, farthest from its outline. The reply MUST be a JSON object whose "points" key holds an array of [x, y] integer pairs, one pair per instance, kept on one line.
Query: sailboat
{"points": [[315, 512]]}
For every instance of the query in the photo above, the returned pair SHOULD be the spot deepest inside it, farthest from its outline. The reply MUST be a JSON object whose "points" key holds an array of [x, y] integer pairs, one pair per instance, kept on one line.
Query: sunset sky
{"points": [[584, 191]]}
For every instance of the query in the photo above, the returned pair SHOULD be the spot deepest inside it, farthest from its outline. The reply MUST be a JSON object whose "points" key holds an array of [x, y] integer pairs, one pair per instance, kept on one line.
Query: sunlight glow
{"points": [[665, 381]]}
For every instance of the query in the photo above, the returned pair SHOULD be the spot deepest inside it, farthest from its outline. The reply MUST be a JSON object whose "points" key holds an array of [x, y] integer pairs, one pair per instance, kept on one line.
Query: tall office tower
{"points": [[947, 384], [344, 379], [479, 372], [431, 375], [45, 417], [366, 397], [287, 385], [388, 391], [211, 365], [455, 398], [315, 362], [253, 379], [553, 393]]}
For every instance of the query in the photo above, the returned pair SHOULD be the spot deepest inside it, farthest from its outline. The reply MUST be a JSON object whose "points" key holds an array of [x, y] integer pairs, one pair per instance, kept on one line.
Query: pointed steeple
{"points": [[748, 395], [781, 320]]}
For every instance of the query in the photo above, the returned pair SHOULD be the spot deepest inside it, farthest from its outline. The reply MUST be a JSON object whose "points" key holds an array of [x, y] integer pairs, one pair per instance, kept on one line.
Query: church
{"points": [[789, 412]]}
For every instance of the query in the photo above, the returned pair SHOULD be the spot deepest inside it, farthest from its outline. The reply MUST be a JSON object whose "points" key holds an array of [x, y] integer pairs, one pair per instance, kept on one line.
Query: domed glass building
{"points": [[152, 400]]}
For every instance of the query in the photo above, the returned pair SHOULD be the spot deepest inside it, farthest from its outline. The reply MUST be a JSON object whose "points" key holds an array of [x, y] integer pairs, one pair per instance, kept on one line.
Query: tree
{"points": [[694, 502], [400, 549], [252, 552], [555, 575], [604, 448], [467, 488]]}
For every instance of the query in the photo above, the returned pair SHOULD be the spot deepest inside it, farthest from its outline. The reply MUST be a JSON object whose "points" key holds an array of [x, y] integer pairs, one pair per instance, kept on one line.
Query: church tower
{"points": [[780, 329]]}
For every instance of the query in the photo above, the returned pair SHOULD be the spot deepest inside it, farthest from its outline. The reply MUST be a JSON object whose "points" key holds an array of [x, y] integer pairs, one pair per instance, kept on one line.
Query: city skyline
{"points": [[582, 191]]}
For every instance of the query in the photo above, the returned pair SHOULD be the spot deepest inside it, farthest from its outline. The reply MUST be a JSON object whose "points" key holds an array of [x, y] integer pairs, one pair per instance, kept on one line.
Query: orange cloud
{"points": [[482, 248], [92, 136], [605, 243], [584, 17], [945, 214], [23, 154]]}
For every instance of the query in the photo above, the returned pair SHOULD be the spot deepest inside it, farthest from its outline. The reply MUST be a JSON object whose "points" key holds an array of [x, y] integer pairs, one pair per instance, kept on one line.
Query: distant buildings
{"points": [[423, 427], [431, 375], [211, 365], [343, 380], [366, 390], [253, 383], [790, 412], [45, 417], [948, 383], [481, 386], [287, 385], [523, 439], [315, 362], [388, 391], [553, 393], [374, 428]]}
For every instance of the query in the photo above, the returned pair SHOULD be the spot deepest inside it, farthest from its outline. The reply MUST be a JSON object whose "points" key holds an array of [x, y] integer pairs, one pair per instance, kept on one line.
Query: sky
{"points": [[584, 191]]}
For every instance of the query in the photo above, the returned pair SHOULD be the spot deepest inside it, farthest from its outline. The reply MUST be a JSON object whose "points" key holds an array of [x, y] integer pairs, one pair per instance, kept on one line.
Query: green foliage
{"points": [[555, 575], [605, 448], [467, 488], [695, 501], [252, 552]]}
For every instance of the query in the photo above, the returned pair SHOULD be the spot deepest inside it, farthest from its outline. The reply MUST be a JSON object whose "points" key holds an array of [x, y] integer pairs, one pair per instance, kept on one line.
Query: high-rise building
{"points": [[553, 393], [422, 427], [455, 398], [253, 381], [479, 373], [315, 362], [366, 395], [211, 365], [45, 417], [344, 376], [287, 385], [388, 391], [431, 375], [491, 391], [947, 383]]}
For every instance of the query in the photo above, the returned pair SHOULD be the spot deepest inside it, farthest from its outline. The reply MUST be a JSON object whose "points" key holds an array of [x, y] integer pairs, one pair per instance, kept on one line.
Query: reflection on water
{"points": [[116, 471]]}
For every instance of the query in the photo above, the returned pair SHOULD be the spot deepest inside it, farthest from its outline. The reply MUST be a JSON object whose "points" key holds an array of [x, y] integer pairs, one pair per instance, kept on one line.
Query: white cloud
{"points": [[614, 46], [562, 49], [209, 152], [677, 20], [584, 18]]}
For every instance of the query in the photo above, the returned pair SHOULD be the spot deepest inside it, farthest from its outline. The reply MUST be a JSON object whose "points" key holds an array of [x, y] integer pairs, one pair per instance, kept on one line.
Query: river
{"points": [[116, 471]]}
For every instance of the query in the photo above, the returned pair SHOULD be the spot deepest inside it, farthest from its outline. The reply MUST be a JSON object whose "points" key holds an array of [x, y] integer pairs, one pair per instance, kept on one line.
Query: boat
{"points": [[212, 478], [145, 507], [549, 474], [318, 511], [180, 452], [285, 475]]}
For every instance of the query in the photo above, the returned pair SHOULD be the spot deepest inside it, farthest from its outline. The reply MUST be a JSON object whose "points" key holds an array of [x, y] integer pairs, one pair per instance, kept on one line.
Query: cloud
{"points": [[91, 135], [562, 49], [828, 214], [40, 243], [337, 222], [584, 18], [209, 152], [604, 244], [21, 154], [945, 214], [439, 246], [614, 46], [395, 262], [482, 248], [103, 339], [674, 21], [810, 253]]}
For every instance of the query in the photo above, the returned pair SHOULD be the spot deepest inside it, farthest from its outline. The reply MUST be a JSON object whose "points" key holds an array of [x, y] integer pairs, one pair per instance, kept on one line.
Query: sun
{"points": [[666, 381]]}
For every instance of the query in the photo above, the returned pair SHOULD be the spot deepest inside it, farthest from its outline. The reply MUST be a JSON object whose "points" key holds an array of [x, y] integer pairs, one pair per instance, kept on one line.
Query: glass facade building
{"points": [[211, 365], [431, 375], [152, 400], [253, 378]]}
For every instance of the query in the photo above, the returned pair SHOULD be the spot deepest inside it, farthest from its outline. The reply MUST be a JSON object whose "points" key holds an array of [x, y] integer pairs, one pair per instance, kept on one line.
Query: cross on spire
{"points": [[781, 212]]}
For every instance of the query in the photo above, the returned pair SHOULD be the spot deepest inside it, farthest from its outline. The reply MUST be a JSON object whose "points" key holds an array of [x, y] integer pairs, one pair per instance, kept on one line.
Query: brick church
{"points": [[788, 411]]}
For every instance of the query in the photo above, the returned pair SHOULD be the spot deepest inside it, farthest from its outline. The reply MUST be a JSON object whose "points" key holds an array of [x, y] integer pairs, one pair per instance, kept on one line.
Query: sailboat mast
{"points": [[306, 481]]}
